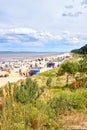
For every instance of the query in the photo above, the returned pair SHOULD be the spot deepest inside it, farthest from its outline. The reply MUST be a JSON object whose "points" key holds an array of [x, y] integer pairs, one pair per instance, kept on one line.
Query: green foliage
{"points": [[0, 92], [82, 50], [37, 107], [31, 116], [49, 81], [47, 116], [60, 71], [82, 66], [19, 126], [66, 101], [67, 67], [44, 108], [48, 74], [26, 92], [40, 91], [79, 83]]}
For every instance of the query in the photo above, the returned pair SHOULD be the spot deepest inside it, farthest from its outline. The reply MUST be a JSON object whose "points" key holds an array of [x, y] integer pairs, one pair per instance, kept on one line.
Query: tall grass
{"points": [[28, 105], [67, 101]]}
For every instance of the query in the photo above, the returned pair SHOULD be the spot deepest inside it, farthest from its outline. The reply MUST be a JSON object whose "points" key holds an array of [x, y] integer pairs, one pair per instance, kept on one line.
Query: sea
{"points": [[14, 56]]}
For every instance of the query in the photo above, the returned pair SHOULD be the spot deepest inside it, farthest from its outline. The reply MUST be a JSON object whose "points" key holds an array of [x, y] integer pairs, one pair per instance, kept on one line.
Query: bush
{"points": [[76, 84], [31, 116], [49, 81], [66, 101], [48, 119], [79, 83], [26, 92]]}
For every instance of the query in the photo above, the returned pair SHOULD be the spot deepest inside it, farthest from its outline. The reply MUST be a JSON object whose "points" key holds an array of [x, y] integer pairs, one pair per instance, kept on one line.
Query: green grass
{"points": [[49, 73], [39, 104]]}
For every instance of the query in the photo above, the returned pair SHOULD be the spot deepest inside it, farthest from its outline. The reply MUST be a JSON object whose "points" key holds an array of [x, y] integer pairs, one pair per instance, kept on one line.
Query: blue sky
{"points": [[43, 25]]}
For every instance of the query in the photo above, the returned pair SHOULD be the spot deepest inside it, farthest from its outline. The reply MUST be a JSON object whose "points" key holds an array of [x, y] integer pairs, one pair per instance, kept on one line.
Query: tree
{"points": [[68, 67], [82, 66]]}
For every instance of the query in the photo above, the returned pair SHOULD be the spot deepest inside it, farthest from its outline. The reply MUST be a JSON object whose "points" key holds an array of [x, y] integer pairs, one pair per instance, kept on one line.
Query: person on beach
{"points": [[35, 65], [20, 72], [27, 73], [30, 65]]}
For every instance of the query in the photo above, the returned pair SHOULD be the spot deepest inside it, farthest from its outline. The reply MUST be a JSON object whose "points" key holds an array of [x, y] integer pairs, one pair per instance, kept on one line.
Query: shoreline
{"points": [[24, 65]]}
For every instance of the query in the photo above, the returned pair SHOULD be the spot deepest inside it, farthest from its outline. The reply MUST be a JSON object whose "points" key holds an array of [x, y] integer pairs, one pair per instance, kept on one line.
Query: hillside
{"points": [[82, 50]]}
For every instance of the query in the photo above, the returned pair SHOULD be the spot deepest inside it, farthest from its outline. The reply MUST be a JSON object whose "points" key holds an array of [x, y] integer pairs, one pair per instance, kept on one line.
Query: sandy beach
{"points": [[25, 66], [13, 77]]}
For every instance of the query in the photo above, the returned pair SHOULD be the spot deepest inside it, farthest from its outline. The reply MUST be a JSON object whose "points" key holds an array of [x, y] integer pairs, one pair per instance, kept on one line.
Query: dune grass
{"points": [[43, 102]]}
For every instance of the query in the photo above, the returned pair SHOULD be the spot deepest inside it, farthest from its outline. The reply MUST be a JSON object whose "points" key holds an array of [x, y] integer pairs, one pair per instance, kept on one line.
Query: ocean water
{"points": [[10, 56]]}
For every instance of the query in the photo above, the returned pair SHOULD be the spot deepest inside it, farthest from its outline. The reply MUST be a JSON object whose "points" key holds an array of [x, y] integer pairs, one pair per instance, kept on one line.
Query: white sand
{"points": [[14, 75]]}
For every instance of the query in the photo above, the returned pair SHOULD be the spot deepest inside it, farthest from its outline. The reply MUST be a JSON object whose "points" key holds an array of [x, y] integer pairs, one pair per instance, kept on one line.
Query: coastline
{"points": [[24, 65]]}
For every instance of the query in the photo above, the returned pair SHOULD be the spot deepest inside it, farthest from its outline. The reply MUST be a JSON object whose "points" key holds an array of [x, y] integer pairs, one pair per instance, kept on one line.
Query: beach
{"points": [[12, 71]]}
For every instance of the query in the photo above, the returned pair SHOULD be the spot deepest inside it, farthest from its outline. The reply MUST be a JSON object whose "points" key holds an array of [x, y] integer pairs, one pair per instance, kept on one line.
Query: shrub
{"points": [[76, 84], [49, 81], [66, 101], [82, 66], [79, 83], [48, 119], [31, 116], [26, 92]]}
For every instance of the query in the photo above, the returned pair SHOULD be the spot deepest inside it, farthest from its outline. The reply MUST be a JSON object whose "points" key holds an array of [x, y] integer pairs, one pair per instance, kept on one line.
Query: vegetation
{"points": [[26, 92], [66, 101], [82, 50], [83, 65], [70, 68], [48, 83], [45, 102]]}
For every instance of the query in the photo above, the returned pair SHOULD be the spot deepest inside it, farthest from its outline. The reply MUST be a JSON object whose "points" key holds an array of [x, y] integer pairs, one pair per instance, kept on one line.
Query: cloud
{"points": [[74, 40], [32, 39], [34, 23], [25, 35], [70, 14], [29, 36], [78, 39], [40, 16], [85, 6], [18, 30], [17, 35], [17, 38], [69, 6], [84, 2]]}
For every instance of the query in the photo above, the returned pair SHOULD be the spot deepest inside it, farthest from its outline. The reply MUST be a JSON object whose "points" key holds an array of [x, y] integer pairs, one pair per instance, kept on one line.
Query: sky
{"points": [[43, 25]]}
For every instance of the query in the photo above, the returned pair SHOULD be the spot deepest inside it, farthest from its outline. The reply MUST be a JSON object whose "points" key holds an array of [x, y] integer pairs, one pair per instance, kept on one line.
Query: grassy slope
{"points": [[73, 118]]}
